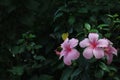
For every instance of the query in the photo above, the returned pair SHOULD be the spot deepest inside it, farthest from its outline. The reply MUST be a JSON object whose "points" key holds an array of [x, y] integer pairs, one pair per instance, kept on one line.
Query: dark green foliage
{"points": [[30, 31]]}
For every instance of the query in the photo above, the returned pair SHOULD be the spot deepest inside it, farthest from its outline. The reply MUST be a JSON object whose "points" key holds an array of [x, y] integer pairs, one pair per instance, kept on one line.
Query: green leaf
{"points": [[60, 66], [113, 16], [87, 26], [85, 76], [110, 15], [36, 66], [32, 36], [39, 58], [83, 10], [112, 69], [94, 31], [38, 46], [30, 46], [66, 74], [17, 49], [104, 67], [18, 70], [58, 15], [106, 29], [116, 78], [108, 35], [20, 41], [75, 73], [99, 74], [71, 20], [46, 77], [101, 26], [42, 77], [57, 28]]}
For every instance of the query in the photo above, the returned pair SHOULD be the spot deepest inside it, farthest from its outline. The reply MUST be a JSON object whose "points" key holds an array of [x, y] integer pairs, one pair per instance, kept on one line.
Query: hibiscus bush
{"points": [[59, 39]]}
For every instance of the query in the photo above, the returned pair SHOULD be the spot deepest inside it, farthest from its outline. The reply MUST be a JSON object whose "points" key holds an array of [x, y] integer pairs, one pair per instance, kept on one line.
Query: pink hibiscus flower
{"points": [[68, 51], [109, 51], [94, 46]]}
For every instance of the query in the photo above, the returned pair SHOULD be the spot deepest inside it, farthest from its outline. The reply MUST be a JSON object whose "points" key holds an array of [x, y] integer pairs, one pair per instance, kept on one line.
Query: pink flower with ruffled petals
{"points": [[68, 51], [94, 46], [109, 51]]}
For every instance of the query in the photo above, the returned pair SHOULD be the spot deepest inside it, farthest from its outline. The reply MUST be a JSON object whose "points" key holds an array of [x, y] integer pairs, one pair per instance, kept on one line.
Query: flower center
{"points": [[68, 49], [107, 50], [93, 44]]}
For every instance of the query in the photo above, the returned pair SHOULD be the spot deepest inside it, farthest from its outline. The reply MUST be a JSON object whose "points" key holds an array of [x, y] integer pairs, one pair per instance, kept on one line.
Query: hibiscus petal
{"points": [[62, 53], [93, 37], [65, 43], [67, 61], [73, 42], [72, 55], [88, 53], [57, 52], [109, 58], [84, 43], [113, 50], [110, 42], [98, 53], [102, 43]]}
